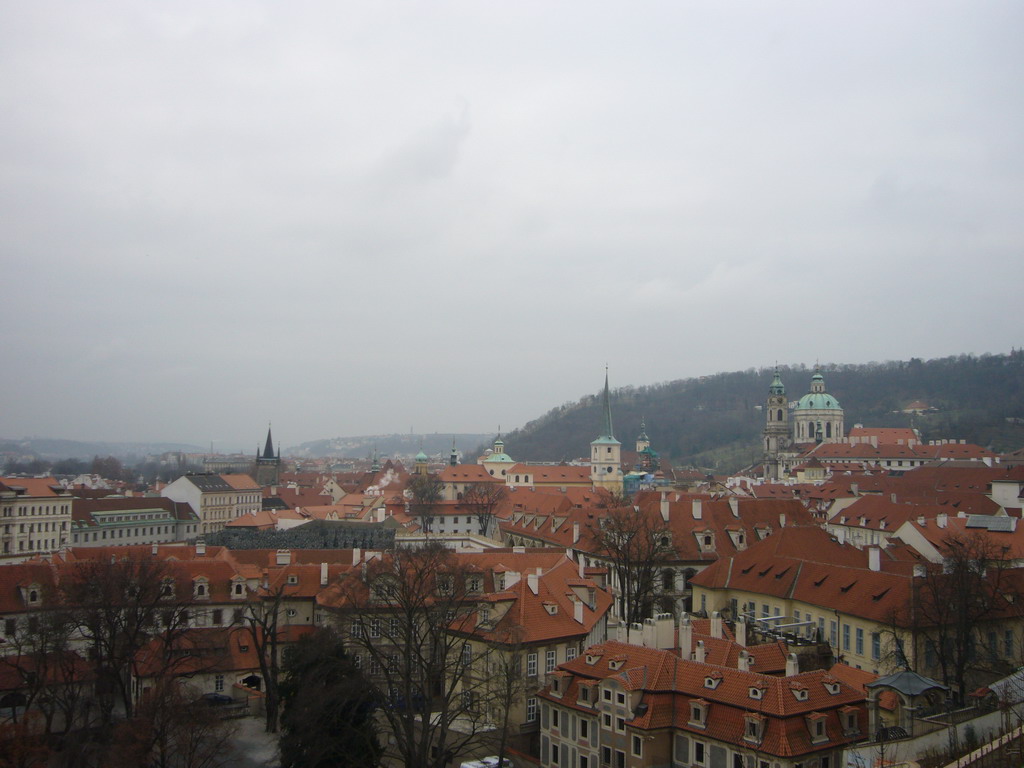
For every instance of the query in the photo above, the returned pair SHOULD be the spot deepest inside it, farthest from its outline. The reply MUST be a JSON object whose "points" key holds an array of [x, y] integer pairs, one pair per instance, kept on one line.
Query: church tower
{"points": [[817, 416], [606, 451], [268, 466], [776, 428]]}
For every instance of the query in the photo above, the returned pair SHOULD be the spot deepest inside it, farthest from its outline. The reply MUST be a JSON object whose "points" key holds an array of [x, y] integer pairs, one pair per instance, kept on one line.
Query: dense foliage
{"points": [[716, 421], [328, 707]]}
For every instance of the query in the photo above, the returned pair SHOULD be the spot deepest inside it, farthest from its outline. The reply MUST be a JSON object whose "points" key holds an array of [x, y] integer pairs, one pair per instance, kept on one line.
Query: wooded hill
{"points": [[715, 422]]}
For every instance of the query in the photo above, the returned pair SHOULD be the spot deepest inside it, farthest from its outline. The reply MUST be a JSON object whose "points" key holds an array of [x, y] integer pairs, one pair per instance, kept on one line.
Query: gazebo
{"points": [[911, 691]]}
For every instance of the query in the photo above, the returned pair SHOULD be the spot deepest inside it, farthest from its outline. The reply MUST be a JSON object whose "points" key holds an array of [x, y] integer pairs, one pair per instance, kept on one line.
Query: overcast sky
{"points": [[365, 217]]}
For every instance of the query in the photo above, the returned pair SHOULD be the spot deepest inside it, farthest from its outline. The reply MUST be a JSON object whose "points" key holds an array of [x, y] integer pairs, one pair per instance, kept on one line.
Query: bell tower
{"points": [[776, 428], [606, 451]]}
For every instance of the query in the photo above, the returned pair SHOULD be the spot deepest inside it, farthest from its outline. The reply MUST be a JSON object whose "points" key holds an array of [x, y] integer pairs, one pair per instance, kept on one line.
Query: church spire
{"points": [[607, 405], [268, 452]]}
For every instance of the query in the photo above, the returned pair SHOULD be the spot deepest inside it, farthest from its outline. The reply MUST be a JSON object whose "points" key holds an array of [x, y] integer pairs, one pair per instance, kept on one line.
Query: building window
{"points": [[549, 661], [638, 746], [531, 710], [620, 759], [606, 755], [570, 653], [876, 645], [846, 637], [531, 665], [218, 683], [374, 628], [860, 641], [699, 756]]}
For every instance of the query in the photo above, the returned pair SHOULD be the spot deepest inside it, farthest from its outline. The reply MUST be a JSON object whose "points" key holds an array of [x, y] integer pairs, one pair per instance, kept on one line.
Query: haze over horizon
{"points": [[364, 218]]}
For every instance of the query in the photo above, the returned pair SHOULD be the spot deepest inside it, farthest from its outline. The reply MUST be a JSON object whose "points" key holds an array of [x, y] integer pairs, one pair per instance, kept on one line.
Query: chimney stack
{"points": [[734, 506], [782, 519], [532, 581], [284, 557], [200, 547], [941, 519], [323, 574], [685, 637], [698, 509], [792, 665], [743, 662], [874, 558], [741, 630], [356, 555], [577, 611], [698, 654], [575, 532], [664, 506], [716, 625]]}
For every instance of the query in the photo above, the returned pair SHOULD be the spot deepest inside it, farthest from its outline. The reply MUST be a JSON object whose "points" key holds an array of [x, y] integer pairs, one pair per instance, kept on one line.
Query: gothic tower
{"points": [[268, 465], [606, 451]]}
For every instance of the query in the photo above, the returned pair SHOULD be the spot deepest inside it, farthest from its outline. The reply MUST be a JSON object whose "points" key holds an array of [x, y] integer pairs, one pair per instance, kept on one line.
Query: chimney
{"points": [[155, 549], [685, 637], [664, 506], [941, 519], [921, 521], [511, 579], [649, 634], [532, 581], [854, 488], [665, 631], [579, 567], [734, 506], [716, 624], [740, 628], [743, 662], [577, 611], [356, 555], [841, 535], [698, 654], [698, 511], [284, 557], [892, 497], [874, 558], [323, 574], [200, 547], [919, 571], [782, 519], [575, 532], [792, 665]]}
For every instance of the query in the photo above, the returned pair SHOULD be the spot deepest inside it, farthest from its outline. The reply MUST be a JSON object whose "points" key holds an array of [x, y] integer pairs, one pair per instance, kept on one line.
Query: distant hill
{"points": [[715, 422], [391, 445], [50, 449]]}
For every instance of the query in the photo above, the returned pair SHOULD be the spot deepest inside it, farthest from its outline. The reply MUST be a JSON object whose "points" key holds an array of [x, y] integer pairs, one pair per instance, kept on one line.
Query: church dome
{"points": [[818, 401], [421, 456]]}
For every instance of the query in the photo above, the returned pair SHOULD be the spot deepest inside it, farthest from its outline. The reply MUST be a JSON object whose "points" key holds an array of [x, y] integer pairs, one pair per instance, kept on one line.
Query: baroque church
{"points": [[791, 428]]}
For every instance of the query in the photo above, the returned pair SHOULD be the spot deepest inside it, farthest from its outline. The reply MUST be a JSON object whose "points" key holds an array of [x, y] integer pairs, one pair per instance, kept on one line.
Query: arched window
{"points": [[828, 429], [779, 417]]}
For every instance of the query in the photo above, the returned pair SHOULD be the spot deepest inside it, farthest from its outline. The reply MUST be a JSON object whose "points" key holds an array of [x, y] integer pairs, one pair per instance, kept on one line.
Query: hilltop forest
{"points": [[715, 422]]}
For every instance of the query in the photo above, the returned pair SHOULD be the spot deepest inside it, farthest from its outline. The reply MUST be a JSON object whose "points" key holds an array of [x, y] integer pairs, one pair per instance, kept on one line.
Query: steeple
{"points": [[453, 457], [268, 452], [777, 387], [607, 405]]}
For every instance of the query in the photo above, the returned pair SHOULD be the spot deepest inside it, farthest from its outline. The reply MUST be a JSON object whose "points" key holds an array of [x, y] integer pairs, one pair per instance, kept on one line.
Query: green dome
{"points": [[818, 401], [421, 456]]}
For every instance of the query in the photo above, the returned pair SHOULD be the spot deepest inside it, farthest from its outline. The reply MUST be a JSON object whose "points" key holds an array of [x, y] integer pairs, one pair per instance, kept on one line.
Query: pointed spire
{"points": [[777, 387], [643, 429], [607, 426], [268, 452]]}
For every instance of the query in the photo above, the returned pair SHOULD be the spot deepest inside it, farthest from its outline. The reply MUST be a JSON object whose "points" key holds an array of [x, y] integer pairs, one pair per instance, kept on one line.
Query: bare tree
{"points": [[425, 493], [482, 499], [953, 599], [506, 683], [118, 606], [402, 616], [261, 616], [637, 545]]}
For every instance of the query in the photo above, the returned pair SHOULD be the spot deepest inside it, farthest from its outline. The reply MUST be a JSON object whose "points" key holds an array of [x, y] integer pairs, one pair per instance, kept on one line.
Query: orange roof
{"points": [[240, 482]]}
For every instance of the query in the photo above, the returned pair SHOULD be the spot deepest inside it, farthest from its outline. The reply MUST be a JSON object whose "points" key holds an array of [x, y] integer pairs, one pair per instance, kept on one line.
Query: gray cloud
{"points": [[361, 218]]}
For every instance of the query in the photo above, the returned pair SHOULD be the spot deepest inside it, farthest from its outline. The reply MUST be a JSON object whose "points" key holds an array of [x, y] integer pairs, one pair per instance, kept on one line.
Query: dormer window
{"points": [[33, 595], [293, 579], [474, 584], [699, 713], [616, 663], [799, 693], [238, 589], [200, 588], [167, 588], [755, 692], [593, 658], [712, 681], [816, 727], [753, 727], [551, 608], [851, 725], [832, 686], [585, 694]]}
